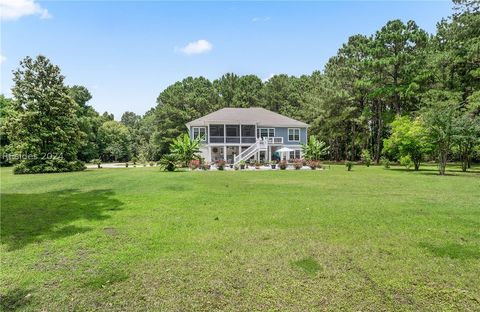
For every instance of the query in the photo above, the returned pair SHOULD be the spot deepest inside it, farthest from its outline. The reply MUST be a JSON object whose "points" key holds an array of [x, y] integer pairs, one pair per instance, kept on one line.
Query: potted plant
{"points": [[206, 166], [220, 164], [126, 164], [257, 165], [273, 164], [194, 164], [151, 163], [236, 167], [314, 164], [298, 164], [282, 165], [134, 160], [242, 164]]}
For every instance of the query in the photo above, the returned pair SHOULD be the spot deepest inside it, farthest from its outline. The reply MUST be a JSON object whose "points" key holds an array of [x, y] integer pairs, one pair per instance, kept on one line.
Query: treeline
{"points": [[401, 73]]}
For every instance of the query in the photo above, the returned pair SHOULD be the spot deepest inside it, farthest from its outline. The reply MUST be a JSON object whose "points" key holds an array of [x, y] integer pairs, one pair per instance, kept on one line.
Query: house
{"points": [[236, 134]]}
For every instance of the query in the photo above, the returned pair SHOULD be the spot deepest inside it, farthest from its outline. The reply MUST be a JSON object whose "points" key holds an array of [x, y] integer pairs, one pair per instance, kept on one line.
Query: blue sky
{"points": [[127, 52]]}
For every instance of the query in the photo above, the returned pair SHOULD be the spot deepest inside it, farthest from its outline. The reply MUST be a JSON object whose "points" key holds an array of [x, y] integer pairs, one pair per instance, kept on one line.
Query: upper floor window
{"points": [[294, 134], [266, 132], [199, 132]]}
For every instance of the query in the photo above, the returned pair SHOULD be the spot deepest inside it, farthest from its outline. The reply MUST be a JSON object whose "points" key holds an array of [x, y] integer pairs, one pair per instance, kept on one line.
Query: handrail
{"points": [[260, 143], [245, 152]]}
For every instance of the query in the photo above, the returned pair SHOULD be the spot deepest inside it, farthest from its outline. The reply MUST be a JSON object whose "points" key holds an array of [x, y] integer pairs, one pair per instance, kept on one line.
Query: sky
{"points": [[127, 52]]}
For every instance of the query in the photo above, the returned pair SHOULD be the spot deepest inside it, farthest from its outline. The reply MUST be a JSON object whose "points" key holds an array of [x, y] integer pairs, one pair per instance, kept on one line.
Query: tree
{"points": [[185, 149], [467, 137], [6, 113], [114, 141], [88, 121], [314, 149], [440, 116], [408, 138], [45, 127]]}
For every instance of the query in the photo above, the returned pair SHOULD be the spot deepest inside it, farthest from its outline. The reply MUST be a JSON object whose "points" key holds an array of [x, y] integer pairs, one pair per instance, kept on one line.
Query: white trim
{"points": [[205, 134], [288, 134], [259, 132]]}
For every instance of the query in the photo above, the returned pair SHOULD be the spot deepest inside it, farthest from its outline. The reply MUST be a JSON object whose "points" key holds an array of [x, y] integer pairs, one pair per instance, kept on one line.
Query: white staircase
{"points": [[260, 145]]}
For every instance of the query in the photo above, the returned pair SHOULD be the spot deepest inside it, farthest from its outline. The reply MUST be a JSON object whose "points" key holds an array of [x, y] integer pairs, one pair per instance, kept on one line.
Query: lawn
{"points": [[140, 239]]}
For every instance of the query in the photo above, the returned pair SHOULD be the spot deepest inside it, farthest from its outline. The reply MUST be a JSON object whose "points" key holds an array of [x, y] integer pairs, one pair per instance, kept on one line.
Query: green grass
{"points": [[139, 239]]}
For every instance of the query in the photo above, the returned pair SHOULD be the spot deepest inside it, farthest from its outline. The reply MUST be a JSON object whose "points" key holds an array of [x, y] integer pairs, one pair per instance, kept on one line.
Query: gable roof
{"points": [[252, 115]]}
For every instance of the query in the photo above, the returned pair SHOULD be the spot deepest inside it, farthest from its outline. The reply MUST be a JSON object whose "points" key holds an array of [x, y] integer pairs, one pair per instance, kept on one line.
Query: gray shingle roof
{"points": [[252, 115]]}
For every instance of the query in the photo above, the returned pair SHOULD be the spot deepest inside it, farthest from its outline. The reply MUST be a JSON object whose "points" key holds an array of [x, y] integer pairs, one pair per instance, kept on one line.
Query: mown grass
{"points": [[139, 239]]}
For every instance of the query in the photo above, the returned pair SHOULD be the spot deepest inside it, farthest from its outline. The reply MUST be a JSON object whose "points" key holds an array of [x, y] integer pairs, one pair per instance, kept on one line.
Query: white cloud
{"points": [[197, 47], [268, 78], [15, 9], [2, 58], [261, 19]]}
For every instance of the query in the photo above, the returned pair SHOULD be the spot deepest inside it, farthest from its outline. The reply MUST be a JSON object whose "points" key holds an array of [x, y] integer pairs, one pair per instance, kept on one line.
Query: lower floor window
{"points": [[296, 154]]}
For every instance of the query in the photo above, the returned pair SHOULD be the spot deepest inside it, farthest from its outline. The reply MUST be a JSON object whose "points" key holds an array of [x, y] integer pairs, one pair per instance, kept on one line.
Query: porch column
{"points": [[240, 126], [210, 154], [224, 133], [225, 153]]}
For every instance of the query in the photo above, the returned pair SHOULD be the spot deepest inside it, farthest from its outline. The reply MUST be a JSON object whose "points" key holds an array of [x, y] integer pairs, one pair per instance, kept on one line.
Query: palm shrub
{"points": [[366, 158], [314, 149], [169, 162], [97, 162], [185, 148], [349, 165]]}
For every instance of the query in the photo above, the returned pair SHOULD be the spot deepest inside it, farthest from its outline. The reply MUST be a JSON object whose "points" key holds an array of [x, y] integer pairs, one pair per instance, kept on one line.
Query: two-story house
{"points": [[235, 134]]}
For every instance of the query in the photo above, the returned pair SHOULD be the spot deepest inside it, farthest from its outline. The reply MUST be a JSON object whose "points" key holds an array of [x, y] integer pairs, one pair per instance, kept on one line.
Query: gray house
{"points": [[236, 134]]}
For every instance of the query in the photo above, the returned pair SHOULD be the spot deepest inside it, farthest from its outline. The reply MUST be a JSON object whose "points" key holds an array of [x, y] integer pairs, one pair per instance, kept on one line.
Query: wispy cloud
{"points": [[15, 9], [261, 19], [2, 58], [196, 47]]}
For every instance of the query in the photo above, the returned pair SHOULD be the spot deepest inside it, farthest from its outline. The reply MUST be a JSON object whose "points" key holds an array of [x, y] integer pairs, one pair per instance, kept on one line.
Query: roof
{"points": [[252, 115]]}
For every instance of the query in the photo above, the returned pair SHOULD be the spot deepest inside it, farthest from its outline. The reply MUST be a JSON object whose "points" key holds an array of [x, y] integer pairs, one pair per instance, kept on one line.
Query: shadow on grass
{"points": [[452, 250], [308, 265], [434, 172], [32, 218], [14, 299]]}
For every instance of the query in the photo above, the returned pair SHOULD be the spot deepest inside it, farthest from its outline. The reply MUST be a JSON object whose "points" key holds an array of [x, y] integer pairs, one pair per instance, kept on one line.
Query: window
{"points": [[232, 131], [295, 154], [199, 132], [266, 132], [294, 134], [216, 130], [248, 131]]}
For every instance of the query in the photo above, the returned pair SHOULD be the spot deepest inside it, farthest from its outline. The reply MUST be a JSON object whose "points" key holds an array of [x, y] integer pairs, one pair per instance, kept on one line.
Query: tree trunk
{"points": [[442, 162]]}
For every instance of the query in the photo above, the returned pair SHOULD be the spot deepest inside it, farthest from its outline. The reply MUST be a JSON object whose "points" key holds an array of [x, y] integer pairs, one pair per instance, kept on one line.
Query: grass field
{"points": [[140, 239]]}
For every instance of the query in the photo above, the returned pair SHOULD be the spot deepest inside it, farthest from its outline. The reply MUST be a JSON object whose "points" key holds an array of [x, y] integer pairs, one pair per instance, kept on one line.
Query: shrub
{"points": [[314, 164], [366, 158], [282, 165], [48, 166], [349, 165], [220, 164], [194, 164], [298, 164], [126, 164], [406, 161], [151, 163], [97, 162], [385, 162], [169, 162], [134, 160]]}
